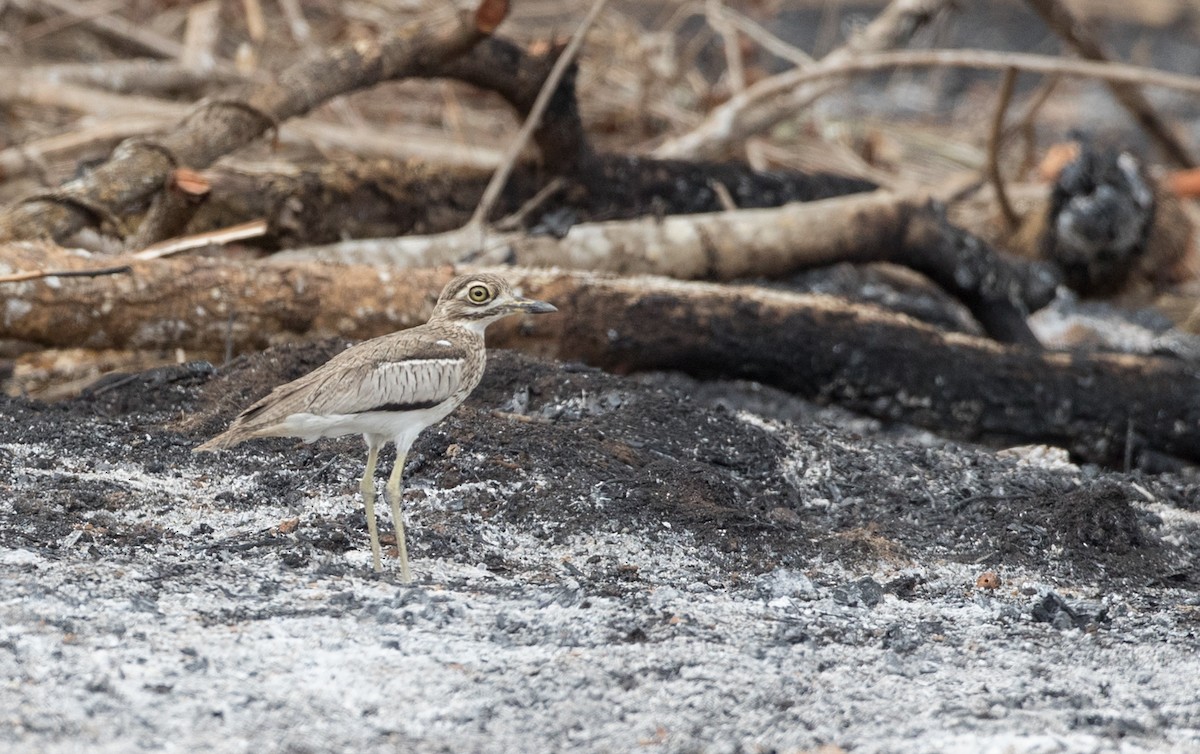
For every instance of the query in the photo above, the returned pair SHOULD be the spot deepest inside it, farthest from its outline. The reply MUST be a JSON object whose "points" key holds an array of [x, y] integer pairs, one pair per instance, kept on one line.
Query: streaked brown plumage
{"points": [[390, 388]]}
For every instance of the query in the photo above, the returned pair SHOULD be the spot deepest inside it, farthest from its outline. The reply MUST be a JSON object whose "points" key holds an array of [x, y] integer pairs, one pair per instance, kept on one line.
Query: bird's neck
{"points": [[474, 326]]}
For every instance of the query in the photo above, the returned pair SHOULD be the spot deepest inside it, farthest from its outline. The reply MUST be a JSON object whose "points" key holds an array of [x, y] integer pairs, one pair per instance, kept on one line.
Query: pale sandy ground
{"points": [[188, 646]]}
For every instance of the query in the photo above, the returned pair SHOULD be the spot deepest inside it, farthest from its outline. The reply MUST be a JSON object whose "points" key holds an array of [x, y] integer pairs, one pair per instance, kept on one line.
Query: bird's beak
{"points": [[533, 306]]}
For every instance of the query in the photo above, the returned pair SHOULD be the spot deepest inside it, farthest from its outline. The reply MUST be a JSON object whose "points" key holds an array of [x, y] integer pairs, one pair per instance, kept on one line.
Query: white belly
{"points": [[402, 427]]}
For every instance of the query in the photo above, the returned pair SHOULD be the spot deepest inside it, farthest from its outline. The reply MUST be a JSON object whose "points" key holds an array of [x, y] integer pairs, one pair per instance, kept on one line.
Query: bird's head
{"points": [[478, 299]]}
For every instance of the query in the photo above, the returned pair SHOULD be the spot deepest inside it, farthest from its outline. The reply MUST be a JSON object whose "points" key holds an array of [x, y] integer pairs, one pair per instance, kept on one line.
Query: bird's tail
{"points": [[226, 439]]}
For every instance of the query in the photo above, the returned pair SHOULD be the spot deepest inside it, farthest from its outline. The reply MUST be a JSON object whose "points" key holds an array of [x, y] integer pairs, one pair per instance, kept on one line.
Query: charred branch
{"points": [[770, 243], [823, 348]]}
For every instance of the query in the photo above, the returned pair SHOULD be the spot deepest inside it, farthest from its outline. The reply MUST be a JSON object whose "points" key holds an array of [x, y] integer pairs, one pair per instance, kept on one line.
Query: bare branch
{"points": [[777, 98], [728, 125], [1059, 18], [770, 243]]}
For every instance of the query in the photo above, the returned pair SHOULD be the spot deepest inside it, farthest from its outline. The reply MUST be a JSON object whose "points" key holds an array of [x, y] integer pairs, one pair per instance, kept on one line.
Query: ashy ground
{"points": [[602, 563]]}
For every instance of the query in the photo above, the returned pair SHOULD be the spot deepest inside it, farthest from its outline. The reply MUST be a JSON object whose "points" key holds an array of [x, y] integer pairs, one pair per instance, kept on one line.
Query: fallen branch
{"points": [[1100, 407], [133, 116], [865, 358], [33, 156], [768, 243], [388, 198], [138, 169]]}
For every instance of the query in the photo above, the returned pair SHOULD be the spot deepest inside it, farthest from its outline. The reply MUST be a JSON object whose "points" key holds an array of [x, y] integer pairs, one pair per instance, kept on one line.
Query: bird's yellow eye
{"points": [[479, 294]]}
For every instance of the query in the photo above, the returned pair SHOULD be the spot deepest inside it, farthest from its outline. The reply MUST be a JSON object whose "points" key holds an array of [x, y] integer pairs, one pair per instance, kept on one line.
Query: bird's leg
{"points": [[368, 493], [393, 495]]}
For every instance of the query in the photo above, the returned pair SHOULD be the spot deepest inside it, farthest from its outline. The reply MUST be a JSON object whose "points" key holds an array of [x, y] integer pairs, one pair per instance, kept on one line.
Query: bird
{"points": [[389, 389]]}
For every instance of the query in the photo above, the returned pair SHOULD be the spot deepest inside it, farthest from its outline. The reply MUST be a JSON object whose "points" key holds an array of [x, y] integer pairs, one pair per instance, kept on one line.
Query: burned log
{"points": [[369, 199], [1100, 214], [1101, 407], [772, 243], [1104, 224]]}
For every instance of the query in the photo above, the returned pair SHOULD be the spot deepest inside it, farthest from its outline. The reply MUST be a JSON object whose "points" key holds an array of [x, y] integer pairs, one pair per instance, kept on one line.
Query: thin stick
{"points": [[18, 277], [201, 35], [995, 137], [987, 60], [735, 66], [500, 177], [515, 220], [256, 23], [1024, 123], [766, 39], [241, 232], [297, 23], [729, 41], [66, 20], [1031, 109], [982, 60]]}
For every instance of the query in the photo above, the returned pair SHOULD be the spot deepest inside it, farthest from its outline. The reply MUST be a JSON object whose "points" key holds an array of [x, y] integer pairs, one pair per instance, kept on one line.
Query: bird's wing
{"points": [[407, 370], [382, 385]]}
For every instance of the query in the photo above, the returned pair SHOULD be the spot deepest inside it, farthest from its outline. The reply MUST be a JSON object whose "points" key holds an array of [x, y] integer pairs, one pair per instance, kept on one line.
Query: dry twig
{"points": [[201, 35], [1024, 123], [735, 69], [1002, 61], [21, 277], [240, 232], [138, 37], [533, 119], [766, 39], [145, 76], [995, 139]]}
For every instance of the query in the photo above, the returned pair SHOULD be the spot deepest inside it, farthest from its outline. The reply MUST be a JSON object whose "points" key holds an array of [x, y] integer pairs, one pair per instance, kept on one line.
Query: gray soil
{"points": [[602, 564]]}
